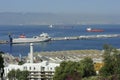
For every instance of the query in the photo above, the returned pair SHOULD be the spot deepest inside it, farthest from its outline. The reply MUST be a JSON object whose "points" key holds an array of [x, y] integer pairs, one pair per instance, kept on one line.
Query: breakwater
{"points": [[81, 37], [3, 41], [87, 37]]}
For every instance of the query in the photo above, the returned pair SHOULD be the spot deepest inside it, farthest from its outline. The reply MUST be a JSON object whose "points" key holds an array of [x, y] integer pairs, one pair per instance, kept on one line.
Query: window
{"points": [[42, 68], [34, 68], [25, 68], [50, 68], [30, 68]]}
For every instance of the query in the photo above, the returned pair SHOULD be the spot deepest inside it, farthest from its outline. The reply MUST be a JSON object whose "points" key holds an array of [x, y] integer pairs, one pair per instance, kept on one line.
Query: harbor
{"points": [[81, 37], [61, 39]]}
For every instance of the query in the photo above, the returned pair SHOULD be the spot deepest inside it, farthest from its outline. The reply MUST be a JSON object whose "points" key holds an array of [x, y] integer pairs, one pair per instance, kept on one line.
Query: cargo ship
{"points": [[94, 30], [22, 39]]}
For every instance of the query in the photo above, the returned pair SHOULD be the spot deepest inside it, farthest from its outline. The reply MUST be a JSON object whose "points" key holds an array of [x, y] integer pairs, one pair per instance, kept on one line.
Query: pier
{"points": [[3, 41], [84, 37], [81, 37]]}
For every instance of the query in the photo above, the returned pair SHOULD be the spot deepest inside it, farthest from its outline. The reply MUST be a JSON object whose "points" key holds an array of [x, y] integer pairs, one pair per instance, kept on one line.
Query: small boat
{"points": [[51, 26], [22, 39], [94, 30]]}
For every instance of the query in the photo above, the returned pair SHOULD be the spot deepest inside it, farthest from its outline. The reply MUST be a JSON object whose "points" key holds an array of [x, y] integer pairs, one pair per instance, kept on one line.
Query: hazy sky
{"points": [[62, 6]]}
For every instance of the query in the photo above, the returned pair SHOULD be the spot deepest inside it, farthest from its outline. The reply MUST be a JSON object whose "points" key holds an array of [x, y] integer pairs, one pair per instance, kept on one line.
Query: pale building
{"points": [[38, 71]]}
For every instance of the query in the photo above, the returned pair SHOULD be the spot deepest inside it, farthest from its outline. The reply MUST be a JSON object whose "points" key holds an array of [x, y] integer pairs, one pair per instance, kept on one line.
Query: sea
{"points": [[57, 31]]}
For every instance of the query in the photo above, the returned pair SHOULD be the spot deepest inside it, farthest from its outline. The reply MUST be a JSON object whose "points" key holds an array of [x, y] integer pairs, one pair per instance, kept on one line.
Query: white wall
{"points": [[32, 67]]}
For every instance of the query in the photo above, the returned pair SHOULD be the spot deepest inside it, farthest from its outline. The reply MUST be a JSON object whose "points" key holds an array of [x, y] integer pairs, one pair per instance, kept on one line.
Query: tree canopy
{"points": [[65, 69], [1, 65], [111, 62], [12, 75], [87, 67], [74, 70], [17, 74]]}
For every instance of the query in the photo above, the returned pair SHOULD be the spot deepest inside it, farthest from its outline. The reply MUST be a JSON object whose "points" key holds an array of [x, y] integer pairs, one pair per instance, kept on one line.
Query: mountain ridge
{"points": [[17, 18]]}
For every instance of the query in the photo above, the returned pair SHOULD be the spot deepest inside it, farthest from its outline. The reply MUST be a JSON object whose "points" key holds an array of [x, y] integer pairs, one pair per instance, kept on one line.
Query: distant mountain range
{"points": [[12, 18]]}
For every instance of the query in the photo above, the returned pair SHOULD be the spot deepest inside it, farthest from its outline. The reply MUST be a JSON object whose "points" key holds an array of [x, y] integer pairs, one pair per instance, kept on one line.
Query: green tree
{"points": [[17, 74], [20, 63], [65, 69], [12, 75], [74, 76], [107, 69], [22, 75], [87, 67], [111, 62], [1, 65], [75, 70]]}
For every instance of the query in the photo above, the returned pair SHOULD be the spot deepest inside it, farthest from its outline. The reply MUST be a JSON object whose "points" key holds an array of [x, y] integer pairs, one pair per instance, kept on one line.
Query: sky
{"points": [[62, 6]]}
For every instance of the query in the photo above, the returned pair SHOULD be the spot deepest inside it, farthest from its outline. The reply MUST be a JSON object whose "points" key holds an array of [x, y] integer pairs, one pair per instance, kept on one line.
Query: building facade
{"points": [[37, 71]]}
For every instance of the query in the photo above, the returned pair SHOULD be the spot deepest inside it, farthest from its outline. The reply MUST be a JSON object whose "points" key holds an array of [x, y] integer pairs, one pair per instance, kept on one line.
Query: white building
{"points": [[43, 70], [37, 71]]}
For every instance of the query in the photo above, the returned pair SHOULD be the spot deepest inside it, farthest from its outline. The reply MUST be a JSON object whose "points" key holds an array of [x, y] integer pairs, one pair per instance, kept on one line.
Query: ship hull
{"points": [[29, 40], [95, 30]]}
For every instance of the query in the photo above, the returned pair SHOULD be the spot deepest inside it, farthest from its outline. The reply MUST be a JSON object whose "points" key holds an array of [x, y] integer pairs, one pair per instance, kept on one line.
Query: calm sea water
{"points": [[58, 31]]}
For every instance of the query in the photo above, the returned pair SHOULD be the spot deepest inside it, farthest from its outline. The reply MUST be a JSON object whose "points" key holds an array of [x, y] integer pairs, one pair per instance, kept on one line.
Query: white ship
{"points": [[22, 39], [51, 26]]}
